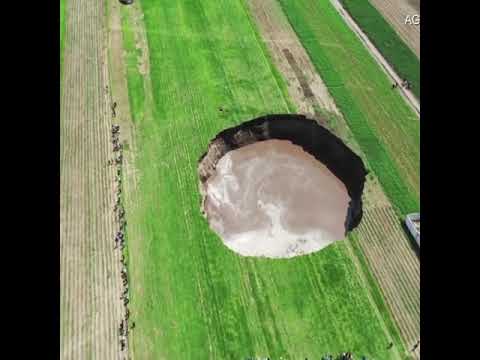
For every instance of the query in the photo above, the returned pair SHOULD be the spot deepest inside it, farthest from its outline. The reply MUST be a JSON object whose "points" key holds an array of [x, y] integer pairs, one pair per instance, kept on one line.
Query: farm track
{"points": [[119, 53], [395, 266], [89, 279], [395, 12], [131, 195]]}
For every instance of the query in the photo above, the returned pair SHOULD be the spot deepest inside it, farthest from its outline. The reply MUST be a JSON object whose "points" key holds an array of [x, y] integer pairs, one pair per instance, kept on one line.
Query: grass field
{"points": [[385, 127], [386, 40], [191, 297]]}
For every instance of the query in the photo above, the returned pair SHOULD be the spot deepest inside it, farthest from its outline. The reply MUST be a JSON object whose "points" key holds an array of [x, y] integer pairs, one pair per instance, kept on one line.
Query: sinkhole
{"points": [[280, 186]]}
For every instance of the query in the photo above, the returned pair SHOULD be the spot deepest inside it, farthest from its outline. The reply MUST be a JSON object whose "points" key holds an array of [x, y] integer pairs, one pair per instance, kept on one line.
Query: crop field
{"points": [[385, 127], [387, 41], [90, 309], [191, 297], [396, 267], [382, 247], [384, 252], [180, 72]]}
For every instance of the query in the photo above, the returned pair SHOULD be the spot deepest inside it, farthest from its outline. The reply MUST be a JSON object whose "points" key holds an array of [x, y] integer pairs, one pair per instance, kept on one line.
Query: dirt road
{"points": [[395, 12], [407, 94], [90, 269]]}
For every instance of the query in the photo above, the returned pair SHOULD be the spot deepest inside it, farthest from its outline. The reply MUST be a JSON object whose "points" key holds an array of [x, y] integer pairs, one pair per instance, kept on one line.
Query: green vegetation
{"points": [[191, 297], [384, 126], [62, 31], [387, 41], [133, 57]]}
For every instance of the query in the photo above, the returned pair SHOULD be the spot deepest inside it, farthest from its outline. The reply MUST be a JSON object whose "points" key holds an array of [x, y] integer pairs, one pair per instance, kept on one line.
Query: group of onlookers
{"points": [[120, 234]]}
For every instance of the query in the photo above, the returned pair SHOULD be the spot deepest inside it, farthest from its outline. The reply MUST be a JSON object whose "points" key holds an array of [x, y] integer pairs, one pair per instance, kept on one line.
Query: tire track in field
{"points": [[89, 292]]}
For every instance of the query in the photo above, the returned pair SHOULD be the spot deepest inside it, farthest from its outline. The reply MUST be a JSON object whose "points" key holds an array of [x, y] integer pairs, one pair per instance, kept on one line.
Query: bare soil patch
{"points": [[415, 4]]}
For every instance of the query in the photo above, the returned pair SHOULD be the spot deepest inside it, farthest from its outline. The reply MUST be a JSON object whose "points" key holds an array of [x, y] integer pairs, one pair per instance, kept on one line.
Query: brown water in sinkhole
{"points": [[273, 199]]}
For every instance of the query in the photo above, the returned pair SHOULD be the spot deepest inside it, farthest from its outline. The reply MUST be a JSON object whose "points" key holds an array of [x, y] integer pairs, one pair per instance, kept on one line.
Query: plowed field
{"points": [[89, 279]]}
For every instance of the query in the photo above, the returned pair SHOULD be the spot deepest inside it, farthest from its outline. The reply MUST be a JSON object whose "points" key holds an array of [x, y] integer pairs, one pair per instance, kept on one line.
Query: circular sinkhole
{"points": [[280, 186]]}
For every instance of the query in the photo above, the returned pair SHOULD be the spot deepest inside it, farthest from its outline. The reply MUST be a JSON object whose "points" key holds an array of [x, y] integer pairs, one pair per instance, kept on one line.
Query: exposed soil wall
{"points": [[301, 131]]}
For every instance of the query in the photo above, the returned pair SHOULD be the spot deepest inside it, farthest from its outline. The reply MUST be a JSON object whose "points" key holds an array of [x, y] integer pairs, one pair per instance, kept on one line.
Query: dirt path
{"points": [[407, 94], [90, 276], [305, 86], [133, 17], [395, 12]]}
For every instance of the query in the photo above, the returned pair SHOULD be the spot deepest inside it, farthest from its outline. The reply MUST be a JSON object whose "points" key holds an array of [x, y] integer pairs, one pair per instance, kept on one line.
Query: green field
{"points": [[62, 30], [386, 40], [191, 297], [385, 127]]}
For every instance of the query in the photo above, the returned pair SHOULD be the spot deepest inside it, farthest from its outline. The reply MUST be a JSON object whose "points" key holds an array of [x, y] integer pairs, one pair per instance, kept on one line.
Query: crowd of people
{"points": [[405, 84], [120, 233], [349, 356]]}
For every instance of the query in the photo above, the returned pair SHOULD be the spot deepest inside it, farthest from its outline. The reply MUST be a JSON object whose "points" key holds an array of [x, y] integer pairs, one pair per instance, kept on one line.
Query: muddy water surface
{"points": [[273, 199]]}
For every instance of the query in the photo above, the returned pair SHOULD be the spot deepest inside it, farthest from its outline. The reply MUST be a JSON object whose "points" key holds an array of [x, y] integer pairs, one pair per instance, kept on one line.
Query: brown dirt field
{"points": [[395, 265], [395, 12], [305, 86], [362, 275], [386, 247], [90, 277]]}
